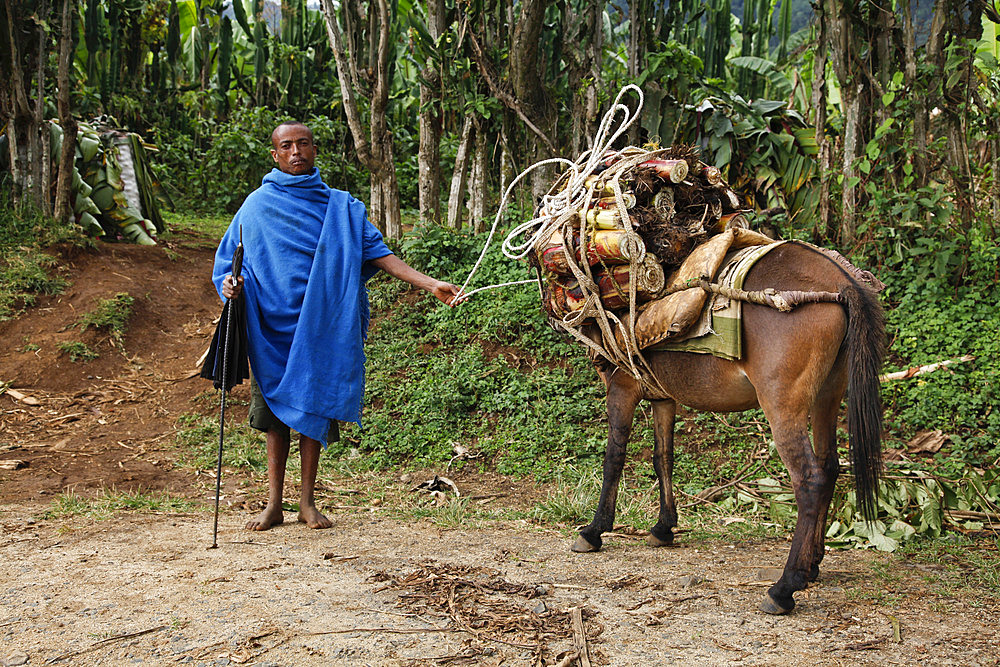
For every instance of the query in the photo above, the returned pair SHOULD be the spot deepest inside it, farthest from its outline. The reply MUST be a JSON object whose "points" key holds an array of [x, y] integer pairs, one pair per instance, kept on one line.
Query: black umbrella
{"points": [[226, 364]]}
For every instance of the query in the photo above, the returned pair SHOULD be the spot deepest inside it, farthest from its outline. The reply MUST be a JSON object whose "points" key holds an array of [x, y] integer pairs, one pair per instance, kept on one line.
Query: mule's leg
{"points": [[808, 481], [623, 396], [662, 533], [824, 429]]}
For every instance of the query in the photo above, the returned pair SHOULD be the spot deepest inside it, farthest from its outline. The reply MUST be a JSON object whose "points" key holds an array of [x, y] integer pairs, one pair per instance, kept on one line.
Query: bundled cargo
{"points": [[613, 284], [611, 246], [644, 209]]}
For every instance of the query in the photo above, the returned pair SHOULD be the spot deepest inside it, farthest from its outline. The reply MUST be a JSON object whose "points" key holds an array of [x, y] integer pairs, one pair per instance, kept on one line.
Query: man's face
{"points": [[293, 149]]}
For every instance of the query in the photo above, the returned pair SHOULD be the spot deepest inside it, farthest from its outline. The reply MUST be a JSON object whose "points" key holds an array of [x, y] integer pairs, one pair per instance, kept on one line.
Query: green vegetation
{"points": [[110, 315], [198, 438], [25, 270], [77, 351], [110, 501]]}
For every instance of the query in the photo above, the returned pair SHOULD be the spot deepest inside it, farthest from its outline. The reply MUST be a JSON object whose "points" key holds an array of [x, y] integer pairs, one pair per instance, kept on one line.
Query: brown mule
{"points": [[796, 366]]}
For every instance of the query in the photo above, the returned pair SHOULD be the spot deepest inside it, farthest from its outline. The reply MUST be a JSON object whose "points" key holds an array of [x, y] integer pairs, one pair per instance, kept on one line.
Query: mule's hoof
{"points": [[582, 546], [654, 541], [769, 606]]}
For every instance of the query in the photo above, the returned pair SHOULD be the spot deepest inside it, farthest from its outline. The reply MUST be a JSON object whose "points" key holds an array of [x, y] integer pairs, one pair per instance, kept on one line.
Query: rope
{"points": [[782, 300], [565, 209]]}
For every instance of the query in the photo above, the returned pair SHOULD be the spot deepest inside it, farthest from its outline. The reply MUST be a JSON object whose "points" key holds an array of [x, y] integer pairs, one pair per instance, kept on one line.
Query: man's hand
{"points": [[446, 292], [228, 291]]}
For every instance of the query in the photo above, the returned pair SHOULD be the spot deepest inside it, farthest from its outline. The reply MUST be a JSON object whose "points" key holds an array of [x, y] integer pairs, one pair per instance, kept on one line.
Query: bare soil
{"points": [[379, 588]]}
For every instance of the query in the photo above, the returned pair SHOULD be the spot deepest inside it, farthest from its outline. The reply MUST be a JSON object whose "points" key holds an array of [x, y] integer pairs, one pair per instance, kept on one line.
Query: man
{"points": [[309, 250]]}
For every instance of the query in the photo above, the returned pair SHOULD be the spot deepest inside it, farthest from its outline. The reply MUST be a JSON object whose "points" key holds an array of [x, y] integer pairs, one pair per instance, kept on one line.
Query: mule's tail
{"points": [[865, 352]]}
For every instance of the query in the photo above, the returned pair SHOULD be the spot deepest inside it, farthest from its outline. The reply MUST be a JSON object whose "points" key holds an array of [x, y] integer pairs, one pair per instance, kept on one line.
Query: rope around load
{"points": [[558, 211], [782, 300]]}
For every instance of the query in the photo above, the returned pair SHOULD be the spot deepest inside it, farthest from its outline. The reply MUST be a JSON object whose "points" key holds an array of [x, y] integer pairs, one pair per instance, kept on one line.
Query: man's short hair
{"points": [[274, 132]]}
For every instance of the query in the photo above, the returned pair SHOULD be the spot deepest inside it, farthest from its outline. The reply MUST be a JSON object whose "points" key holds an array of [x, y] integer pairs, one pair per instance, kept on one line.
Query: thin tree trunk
{"points": [[595, 23], [64, 183], [347, 74], [40, 146], [429, 156], [456, 198], [478, 192], [995, 185], [375, 151], [852, 120], [383, 172], [920, 112], [818, 104]]}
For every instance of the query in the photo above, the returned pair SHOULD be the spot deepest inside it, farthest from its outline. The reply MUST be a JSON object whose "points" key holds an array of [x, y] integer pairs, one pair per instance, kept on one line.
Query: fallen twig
{"points": [[579, 636], [102, 642], [921, 370]]}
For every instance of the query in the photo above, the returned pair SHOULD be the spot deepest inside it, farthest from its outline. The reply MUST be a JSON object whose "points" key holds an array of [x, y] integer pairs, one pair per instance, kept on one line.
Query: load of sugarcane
{"points": [[643, 213]]}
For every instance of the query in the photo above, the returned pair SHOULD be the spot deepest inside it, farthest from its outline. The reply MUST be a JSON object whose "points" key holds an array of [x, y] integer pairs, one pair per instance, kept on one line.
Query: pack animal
{"points": [[796, 366]]}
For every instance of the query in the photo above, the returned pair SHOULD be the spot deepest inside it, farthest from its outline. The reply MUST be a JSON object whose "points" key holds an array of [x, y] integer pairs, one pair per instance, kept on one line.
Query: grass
{"points": [[211, 225], [110, 501], [24, 274], [25, 270], [110, 315], [243, 447], [77, 351]]}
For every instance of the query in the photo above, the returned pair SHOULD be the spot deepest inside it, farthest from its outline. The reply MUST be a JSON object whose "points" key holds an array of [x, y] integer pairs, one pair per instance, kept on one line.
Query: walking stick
{"points": [[230, 307]]}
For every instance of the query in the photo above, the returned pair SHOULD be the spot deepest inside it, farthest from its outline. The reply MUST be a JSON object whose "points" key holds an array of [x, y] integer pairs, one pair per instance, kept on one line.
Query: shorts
{"points": [[262, 419]]}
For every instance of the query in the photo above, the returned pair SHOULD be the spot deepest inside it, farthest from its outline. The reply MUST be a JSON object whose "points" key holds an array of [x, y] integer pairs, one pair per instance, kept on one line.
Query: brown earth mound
{"points": [[102, 423]]}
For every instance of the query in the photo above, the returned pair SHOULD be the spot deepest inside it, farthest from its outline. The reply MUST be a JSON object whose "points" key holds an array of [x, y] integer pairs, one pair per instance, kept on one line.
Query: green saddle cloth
{"points": [[719, 330]]}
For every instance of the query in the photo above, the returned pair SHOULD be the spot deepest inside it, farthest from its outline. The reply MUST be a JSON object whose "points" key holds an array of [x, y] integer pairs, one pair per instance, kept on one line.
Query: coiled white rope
{"points": [[571, 198]]}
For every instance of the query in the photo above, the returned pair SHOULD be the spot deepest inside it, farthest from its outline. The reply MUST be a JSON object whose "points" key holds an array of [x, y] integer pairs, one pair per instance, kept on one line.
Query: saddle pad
{"points": [[719, 330]]}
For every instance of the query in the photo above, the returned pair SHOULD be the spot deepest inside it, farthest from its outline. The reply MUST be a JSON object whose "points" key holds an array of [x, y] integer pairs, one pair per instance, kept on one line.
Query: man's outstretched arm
{"points": [[394, 266]]}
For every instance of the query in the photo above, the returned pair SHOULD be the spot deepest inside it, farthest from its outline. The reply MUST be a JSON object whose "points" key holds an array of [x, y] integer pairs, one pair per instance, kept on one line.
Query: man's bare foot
{"points": [[309, 515], [269, 518]]}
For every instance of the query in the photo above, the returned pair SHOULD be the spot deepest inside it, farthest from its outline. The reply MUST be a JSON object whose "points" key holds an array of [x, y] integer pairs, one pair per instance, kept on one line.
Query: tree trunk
{"points": [[995, 185], [525, 78], [456, 198], [852, 120], [429, 156], [41, 143], [67, 156], [22, 54], [478, 192], [818, 104], [595, 24], [915, 88], [383, 168], [375, 151]]}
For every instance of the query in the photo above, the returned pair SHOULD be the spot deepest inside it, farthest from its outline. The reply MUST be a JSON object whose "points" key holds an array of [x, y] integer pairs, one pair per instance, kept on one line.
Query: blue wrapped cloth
{"points": [[308, 251]]}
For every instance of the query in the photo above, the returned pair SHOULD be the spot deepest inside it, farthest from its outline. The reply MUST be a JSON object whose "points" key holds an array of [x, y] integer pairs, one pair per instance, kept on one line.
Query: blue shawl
{"points": [[308, 251]]}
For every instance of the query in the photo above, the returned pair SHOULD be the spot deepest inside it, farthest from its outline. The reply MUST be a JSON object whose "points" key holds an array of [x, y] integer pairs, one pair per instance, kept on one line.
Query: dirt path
{"points": [[377, 589], [269, 599]]}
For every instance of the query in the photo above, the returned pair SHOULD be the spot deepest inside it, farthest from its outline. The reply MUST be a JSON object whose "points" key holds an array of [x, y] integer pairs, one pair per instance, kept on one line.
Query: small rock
{"points": [[405, 478], [540, 608], [16, 659], [540, 590], [690, 580]]}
